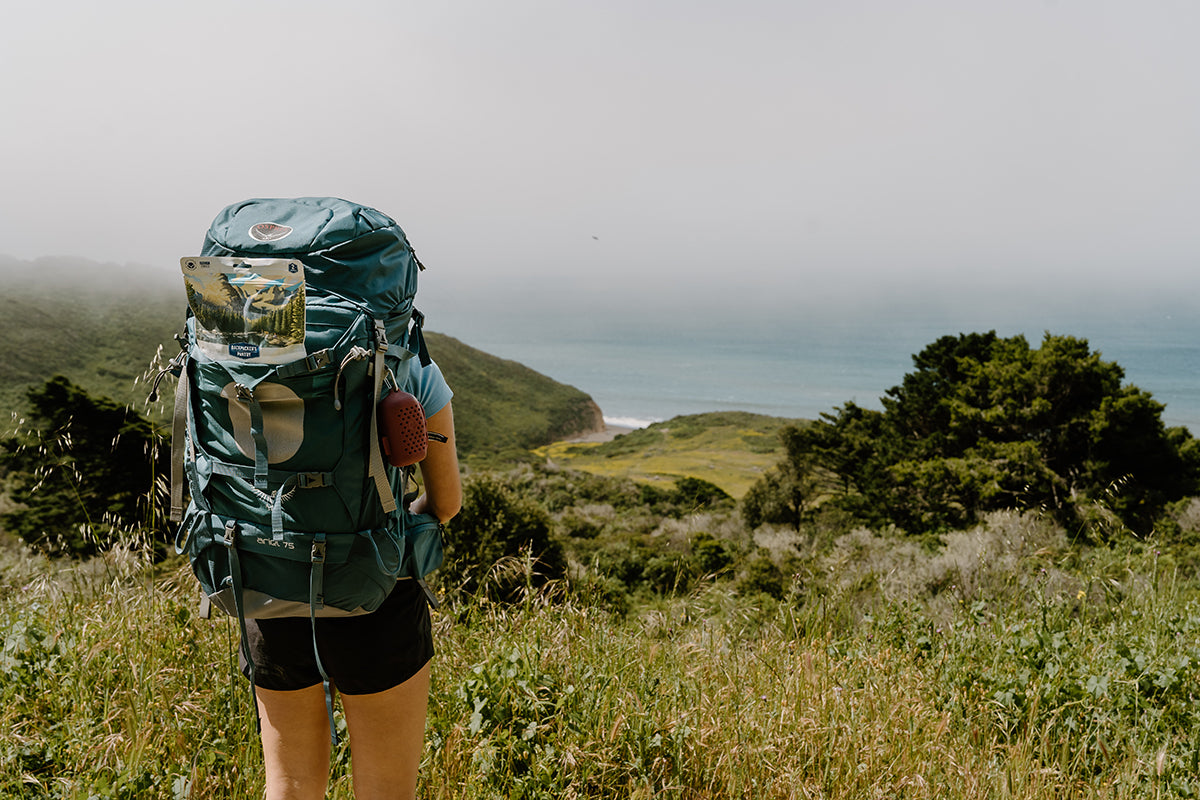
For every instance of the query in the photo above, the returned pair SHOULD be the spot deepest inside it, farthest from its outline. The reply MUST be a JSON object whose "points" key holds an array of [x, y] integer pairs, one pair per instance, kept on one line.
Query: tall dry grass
{"points": [[974, 671]]}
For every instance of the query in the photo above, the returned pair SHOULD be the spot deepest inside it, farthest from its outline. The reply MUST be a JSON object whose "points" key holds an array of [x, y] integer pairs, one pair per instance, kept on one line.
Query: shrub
{"points": [[86, 471], [497, 523], [710, 555], [694, 494], [761, 575], [667, 573]]}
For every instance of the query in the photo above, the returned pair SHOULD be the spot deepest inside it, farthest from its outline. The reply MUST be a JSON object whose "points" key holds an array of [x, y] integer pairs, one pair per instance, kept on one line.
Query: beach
{"points": [[609, 433]]}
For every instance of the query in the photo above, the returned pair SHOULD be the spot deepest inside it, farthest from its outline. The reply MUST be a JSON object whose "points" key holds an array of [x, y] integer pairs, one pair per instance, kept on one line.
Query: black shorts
{"points": [[362, 655]]}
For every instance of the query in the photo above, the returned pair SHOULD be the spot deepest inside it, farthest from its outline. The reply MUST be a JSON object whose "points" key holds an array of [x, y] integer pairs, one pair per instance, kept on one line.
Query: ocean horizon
{"points": [[646, 368]]}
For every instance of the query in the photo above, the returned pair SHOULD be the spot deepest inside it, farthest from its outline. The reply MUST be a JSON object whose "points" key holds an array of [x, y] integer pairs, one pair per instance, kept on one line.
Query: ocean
{"points": [[647, 367]]}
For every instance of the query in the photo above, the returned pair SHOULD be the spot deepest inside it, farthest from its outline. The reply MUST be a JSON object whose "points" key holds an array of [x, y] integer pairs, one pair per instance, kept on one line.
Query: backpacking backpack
{"points": [[300, 321]]}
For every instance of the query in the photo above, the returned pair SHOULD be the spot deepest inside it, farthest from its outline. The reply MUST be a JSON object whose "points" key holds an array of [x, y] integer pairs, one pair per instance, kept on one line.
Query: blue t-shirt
{"points": [[428, 386]]}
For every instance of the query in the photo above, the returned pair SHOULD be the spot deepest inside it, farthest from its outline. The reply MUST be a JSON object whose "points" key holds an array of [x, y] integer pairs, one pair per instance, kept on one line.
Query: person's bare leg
{"points": [[387, 734], [295, 739]]}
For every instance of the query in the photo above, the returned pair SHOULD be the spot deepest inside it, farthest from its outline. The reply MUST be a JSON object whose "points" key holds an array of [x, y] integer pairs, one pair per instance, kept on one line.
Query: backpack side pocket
{"points": [[424, 550]]}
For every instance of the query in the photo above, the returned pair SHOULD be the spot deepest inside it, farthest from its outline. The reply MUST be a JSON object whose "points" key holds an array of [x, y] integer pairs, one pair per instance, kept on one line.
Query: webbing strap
{"points": [[184, 533], [430, 597], [258, 432], [311, 363], [316, 581], [376, 469], [277, 499], [418, 336], [304, 480], [316, 599], [235, 582], [178, 434]]}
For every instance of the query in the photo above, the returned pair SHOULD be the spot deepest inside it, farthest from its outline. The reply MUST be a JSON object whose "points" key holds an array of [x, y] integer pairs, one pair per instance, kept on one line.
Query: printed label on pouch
{"points": [[247, 309], [244, 350]]}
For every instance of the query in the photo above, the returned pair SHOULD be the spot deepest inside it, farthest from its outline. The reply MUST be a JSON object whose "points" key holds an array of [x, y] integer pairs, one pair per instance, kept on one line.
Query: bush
{"points": [[694, 494], [668, 573], [497, 523], [621, 561], [710, 555], [762, 575], [85, 471]]}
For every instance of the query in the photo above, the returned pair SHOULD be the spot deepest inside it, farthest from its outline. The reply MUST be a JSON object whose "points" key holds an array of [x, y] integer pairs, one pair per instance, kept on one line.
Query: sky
{"points": [[721, 154]]}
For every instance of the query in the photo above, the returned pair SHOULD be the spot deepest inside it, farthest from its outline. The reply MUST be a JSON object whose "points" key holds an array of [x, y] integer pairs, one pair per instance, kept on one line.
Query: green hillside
{"points": [[99, 324], [504, 408], [102, 325], [731, 449]]}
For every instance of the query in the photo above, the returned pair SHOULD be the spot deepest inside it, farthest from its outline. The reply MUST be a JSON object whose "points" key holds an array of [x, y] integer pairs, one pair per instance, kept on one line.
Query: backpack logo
{"points": [[269, 231]]}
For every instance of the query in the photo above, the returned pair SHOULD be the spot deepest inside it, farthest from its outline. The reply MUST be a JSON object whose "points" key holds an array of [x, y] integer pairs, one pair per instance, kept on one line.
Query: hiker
{"points": [[307, 400], [378, 662]]}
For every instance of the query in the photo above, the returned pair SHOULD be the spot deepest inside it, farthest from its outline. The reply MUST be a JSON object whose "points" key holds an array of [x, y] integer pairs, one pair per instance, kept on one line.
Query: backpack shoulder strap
{"points": [[376, 469], [178, 368], [178, 435]]}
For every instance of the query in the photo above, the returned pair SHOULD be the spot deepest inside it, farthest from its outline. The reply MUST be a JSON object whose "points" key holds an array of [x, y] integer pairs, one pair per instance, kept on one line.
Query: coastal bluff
{"points": [[504, 405]]}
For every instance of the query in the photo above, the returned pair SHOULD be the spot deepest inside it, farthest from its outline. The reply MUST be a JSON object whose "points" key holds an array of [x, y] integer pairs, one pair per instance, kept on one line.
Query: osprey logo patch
{"points": [[269, 232]]}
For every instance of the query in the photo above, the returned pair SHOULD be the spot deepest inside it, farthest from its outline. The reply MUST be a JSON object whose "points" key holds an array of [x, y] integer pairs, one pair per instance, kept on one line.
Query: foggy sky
{"points": [[759, 150]]}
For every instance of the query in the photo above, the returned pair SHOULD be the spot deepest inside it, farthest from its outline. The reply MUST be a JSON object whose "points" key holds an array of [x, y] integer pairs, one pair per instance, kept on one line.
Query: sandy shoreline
{"points": [[609, 433]]}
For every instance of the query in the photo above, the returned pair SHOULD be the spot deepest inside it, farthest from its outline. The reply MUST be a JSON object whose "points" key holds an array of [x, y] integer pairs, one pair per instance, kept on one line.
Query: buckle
{"points": [[310, 480], [318, 553], [318, 360]]}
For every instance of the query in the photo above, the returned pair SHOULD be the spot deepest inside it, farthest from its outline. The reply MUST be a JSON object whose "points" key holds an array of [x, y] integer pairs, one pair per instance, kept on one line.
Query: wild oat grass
{"points": [[1026, 686], [111, 689]]}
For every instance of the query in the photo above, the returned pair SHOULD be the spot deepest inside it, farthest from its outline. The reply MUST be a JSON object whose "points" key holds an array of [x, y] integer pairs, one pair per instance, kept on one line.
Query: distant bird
{"points": [[597, 238]]}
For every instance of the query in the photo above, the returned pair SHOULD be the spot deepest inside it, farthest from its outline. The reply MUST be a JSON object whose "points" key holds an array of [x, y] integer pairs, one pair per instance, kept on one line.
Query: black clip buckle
{"points": [[310, 480], [318, 360]]}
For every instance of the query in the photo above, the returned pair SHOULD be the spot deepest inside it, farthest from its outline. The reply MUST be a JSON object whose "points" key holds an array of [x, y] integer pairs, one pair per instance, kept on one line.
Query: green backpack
{"points": [[300, 321]]}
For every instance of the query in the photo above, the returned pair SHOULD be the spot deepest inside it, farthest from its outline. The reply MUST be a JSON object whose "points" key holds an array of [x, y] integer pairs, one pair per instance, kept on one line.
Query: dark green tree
{"points": [[83, 472], [985, 423], [784, 495], [789, 493]]}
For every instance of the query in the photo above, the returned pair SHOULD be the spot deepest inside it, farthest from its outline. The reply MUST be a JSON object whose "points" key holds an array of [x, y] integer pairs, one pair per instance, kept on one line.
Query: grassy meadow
{"points": [[1006, 664], [731, 449]]}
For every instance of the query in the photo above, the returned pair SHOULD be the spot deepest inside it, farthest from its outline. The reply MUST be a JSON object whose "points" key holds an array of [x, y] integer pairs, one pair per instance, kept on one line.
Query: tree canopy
{"points": [[985, 423]]}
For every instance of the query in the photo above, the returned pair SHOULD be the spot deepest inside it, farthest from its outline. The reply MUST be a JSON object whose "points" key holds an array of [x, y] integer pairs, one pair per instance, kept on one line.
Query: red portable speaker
{"points": [[402, 434]]}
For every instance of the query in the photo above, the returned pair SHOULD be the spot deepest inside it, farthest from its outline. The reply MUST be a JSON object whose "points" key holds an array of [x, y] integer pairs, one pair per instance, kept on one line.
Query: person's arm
{"points": [[439, 471]]}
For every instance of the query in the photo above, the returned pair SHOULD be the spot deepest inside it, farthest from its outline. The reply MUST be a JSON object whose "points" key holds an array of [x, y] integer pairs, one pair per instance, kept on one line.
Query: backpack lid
{"points": [[347, 249]]}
